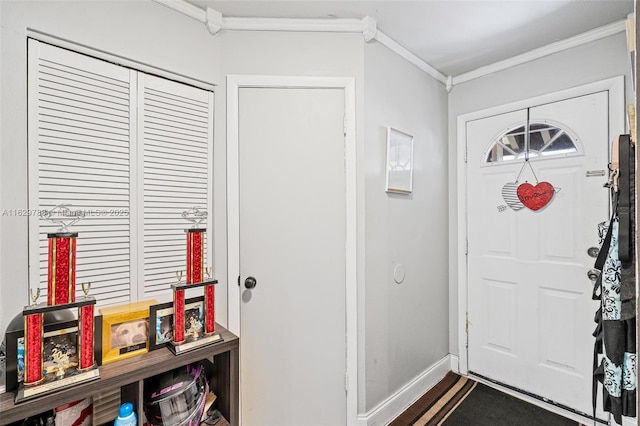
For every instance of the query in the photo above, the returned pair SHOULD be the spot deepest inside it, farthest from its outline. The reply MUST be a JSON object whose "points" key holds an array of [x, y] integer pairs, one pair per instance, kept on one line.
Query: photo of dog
{"points": [[129, 333]]}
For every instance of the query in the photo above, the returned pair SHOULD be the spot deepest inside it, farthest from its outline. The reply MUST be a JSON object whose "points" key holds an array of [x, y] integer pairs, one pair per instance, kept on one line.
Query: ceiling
{"points": [[453, 36]]}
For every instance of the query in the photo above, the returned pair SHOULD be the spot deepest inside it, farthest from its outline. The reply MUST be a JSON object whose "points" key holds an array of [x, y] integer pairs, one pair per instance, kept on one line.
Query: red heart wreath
{"points": [[535, 197]]}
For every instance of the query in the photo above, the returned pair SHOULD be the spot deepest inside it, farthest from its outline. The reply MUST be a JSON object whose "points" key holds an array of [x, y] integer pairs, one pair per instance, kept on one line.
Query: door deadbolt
{"points": [[593, 251], [250, 283]]}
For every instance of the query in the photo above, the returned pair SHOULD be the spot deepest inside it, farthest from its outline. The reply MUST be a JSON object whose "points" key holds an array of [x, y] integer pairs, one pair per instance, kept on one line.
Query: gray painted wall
{"points": [[406, 324], [574, 67]]}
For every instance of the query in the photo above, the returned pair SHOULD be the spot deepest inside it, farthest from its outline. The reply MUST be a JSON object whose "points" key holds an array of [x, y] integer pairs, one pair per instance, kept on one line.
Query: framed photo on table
{"points": [[399, 162], [161, 320], [125, 331], [59, 337]]}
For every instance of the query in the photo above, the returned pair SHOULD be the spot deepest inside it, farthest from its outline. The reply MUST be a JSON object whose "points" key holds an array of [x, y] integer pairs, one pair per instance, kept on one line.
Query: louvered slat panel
{"points": [[54, 126], [190, 144], [176, 140], [83, 122], [154, 116], [105, 407], [54, 94], [51, 155], [82, 175], [162, 173], [173, 108], [87, 117], [177, 135], [82, 84], [177, 176], [162, 149], [185, 159], [193, 98], [66, 62], [76, 163]]}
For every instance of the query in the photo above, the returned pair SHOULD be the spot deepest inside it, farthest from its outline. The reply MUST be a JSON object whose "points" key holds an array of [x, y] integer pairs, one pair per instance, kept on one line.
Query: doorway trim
{"points": [[615, 87], [234, 84]]}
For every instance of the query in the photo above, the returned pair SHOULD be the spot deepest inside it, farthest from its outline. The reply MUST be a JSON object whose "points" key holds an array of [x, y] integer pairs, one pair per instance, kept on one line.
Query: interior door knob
{"points": [[593, 274], [250, 283]]}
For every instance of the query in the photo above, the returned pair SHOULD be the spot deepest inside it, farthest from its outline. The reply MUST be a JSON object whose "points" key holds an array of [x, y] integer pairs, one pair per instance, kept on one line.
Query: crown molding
{"points": [[367, 26], [185, 8], [287, 24], [385, 40], [559, 46]]}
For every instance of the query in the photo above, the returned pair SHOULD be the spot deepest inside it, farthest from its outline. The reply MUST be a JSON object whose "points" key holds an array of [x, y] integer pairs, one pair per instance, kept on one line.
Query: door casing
{"points": [[615, 87], [234, 84]]}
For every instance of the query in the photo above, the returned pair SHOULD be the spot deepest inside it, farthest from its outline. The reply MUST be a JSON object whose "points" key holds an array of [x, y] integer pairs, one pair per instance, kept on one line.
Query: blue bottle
{"points": [[126, 416]]}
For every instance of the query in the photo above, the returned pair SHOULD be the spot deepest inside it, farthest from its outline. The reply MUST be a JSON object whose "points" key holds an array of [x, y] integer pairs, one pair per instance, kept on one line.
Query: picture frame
{"points": [[125, 331], [61, 334], [161, 320], [399, 167]]}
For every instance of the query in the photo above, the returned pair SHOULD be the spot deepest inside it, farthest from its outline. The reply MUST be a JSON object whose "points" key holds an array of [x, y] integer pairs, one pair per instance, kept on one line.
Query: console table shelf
{"points": [[128, 375]]}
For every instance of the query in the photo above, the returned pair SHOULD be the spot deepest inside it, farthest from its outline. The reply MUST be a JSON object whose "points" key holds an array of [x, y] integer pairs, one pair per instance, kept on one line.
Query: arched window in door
{"points": [[545, 139]]}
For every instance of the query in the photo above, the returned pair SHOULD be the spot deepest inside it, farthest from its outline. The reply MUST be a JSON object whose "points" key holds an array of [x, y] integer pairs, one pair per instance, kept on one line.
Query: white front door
{"points": [[530, 313], [292, 242]]}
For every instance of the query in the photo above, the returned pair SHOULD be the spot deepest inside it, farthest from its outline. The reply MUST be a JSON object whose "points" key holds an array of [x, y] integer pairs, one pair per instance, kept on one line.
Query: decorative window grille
{"points": [[545, 140]]}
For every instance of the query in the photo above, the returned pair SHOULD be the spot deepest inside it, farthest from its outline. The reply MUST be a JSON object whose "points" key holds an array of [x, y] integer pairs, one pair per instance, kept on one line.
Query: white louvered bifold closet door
{"points": [[176, 136], [79, 154], [133, 151]]}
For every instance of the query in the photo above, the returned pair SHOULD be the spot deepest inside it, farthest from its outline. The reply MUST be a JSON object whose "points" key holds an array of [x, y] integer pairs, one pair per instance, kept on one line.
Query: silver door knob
{"points": [[593, 274]]}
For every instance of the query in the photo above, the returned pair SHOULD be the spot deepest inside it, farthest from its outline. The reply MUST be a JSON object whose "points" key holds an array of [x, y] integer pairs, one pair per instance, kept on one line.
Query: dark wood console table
{"points": [[129, 375]]}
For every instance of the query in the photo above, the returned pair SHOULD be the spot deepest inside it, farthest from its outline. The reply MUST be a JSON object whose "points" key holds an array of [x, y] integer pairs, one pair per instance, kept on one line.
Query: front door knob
{"points": [[593, 274], [250, 283]]}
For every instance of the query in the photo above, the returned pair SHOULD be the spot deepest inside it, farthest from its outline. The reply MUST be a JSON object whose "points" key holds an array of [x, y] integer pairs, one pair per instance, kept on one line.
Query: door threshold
{"points": [[538, 400]]}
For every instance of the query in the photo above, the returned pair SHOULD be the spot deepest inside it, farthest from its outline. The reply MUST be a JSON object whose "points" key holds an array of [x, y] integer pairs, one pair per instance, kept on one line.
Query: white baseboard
{"points": [[395, 404], [455, 363]]}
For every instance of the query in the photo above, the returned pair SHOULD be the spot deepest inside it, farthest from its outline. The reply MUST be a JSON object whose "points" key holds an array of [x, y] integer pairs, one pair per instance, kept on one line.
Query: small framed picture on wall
{"points": [[399, 161]]}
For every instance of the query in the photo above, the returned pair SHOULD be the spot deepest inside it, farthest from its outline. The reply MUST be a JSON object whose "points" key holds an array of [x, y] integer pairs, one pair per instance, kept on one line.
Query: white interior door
{"points": [[530, 313], [292, 196]]}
